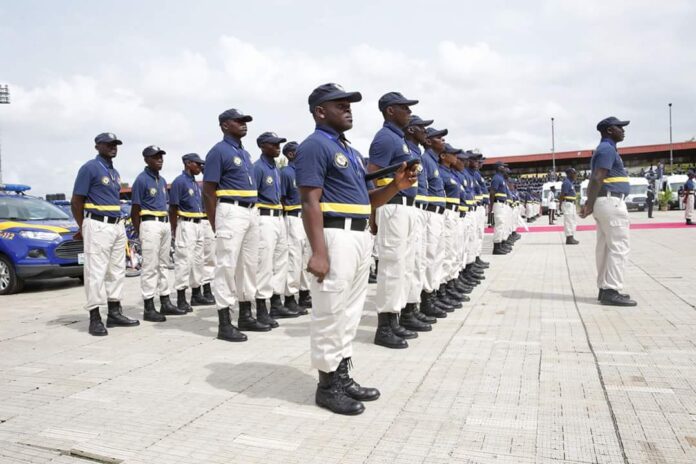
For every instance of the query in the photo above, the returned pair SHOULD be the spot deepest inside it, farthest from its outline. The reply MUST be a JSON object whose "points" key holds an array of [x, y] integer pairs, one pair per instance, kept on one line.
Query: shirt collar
{"points": [[151, 173], [190, 176], [332, 132], [269, 162], [609, 141], [109, 162], [234, 141], [414, 147], [394, 128]]}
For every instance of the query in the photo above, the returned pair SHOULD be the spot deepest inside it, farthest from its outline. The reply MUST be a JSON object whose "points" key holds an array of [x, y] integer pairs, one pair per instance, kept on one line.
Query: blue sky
{"points": [[159, 73]]}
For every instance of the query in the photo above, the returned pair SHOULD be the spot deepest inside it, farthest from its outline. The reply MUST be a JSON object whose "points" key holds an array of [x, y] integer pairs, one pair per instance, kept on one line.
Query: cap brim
{"points": [[161, 152], [352, 97], [440, 133], [422, 122]]}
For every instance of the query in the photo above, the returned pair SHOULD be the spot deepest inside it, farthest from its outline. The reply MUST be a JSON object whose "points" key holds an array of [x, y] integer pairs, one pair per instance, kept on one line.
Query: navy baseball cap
{"points": [[107, 137], [153, 150], [450, 149], [234, 114], [500, 164], [192, 157], [331, 92], [269, 137], [417, 121], [290, 146], [464, 155], [570, 170], [432, 132], [611, 121], [394, 98], [473, 155]]}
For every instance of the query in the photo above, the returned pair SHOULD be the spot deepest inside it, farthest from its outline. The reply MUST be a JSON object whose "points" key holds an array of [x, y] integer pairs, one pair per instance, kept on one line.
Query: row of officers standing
{"points": [[304, 234]]}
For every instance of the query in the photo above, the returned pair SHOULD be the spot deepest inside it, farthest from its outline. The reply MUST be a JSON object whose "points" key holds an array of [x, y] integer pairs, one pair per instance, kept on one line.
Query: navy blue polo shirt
{"points": [[568, 189], [267, 180], [606, 156], [387, 148], [289, 193], [325, 160], [689, 185], [229, 165], [482, 186], [185, 194], [436, 188], [451, 185], [475, 186], [150, 192], [469, 186], [100, 183], [499, 187], [422, 190]]}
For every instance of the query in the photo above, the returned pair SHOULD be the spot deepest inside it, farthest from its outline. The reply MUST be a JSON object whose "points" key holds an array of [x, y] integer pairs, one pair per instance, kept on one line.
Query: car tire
{"points": [[10, 282]]}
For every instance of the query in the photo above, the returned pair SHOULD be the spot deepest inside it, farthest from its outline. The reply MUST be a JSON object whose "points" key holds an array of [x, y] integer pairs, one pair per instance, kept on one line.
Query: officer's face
{"points": [[617, 133], [419, 134], [107, 150], [155, 162], [336, 114], [291, 155], [234, 127], [193, 167], [400, 114], [437, 144], [272, 150]]}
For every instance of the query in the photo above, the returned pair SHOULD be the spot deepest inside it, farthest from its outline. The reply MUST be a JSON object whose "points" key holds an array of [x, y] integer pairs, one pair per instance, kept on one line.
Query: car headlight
{"points": [[39, 235]]}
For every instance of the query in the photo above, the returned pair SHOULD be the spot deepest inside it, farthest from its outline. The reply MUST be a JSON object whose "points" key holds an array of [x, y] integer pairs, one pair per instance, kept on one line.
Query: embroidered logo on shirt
{"points": [[452, 181], [269, 180], [419, 168], [237, 161], [436, 173], [340, 160], [105, 180], [405, 148], [190, 191], [153, 192]]}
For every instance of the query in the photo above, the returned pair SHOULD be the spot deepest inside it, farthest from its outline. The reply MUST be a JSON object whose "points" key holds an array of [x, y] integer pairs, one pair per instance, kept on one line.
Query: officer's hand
{"points": [[406, 177], [373, 225], [585, 211], [318, 266], [78, 235]]}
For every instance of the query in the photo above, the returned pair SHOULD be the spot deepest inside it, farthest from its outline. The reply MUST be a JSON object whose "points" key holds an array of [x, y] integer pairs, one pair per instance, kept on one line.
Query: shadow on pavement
{"points": [[264, 381], [49, 285], [524, 294]]}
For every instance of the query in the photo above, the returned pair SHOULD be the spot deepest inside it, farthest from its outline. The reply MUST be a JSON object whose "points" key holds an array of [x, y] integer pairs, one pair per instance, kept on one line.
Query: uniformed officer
{"points": [[96, 208], [230, 196], [411, 317], [432, 303], [606, 191], [568, 197], [150, 216], [297, 298], [498, 198], [273, 245], [185, 216], [551, 204], [472, 273], [208, 273], [336, 206], [689, 189], [480, 198], [395, 224]]}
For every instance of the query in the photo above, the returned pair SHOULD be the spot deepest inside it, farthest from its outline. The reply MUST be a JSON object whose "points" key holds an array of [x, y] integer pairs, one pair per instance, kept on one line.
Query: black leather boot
{"points": [[601, 292], [294, 307], [181, 302], [115, 317], [278, 311], [570, 240], [499, 250], [428, 308], [353, 388], [332, 396], [515, 236], [409, 321], [247, 322], [399, 330], [448, 303], [452, 292], [226, 331], [263, 316], [613, 298], [166, 307], [385, 335], [482, 263], [150, 312], [208, 294], [423, 317], [96, 327], [197, 298], [471, 270], [305, 299]]}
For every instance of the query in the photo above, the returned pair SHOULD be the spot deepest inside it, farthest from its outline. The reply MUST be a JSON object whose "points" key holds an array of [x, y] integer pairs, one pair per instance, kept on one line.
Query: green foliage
{"points": [[664, 197]]}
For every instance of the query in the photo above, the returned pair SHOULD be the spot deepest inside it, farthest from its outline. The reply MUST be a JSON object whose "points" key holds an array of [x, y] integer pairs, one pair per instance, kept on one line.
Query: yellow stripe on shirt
{"points": [[103, 207], [613, 180], [236, 193], [345, 208]]}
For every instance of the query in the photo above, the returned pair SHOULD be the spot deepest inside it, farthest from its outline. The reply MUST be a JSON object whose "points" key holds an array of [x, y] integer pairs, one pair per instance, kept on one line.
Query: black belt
{"points": [[190, 219], [501, 201], [270, 212], [401, 200], [243, 204], [435, 209], [102, 218], [612, 194], [462, 214], [452, 207], [294, 212], [569, 201], [154, 218], [356, 224]]}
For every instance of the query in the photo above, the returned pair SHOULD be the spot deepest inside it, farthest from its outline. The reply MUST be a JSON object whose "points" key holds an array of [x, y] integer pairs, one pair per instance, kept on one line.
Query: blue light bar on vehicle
{"points": [[17, 188]]}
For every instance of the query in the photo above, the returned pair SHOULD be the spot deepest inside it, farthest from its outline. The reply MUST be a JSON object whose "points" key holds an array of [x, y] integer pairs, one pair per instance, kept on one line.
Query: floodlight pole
{"points": [[4, 99], [553, 146], [671, 151]]}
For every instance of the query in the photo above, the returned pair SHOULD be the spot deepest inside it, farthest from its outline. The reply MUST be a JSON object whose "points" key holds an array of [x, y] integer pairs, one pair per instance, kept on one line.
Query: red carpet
{"points": [[591, 227]]}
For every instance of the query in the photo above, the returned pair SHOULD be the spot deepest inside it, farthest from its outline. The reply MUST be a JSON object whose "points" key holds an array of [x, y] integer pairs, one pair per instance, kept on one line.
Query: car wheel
{"points": [[10, 282]]}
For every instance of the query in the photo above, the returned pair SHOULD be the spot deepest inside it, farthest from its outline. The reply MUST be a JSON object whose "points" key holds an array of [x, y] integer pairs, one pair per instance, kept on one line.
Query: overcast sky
{"points": [[493, 73]]}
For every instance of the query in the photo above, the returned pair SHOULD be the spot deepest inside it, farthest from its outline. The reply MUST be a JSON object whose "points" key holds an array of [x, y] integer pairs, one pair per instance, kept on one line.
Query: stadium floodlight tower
{"points": [[4, 99]]}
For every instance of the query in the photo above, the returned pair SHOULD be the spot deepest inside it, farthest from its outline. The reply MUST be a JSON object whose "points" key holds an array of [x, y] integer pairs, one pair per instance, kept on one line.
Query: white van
{"points": [[583, 191], [638, 194], [545, 189], [675, 182]]}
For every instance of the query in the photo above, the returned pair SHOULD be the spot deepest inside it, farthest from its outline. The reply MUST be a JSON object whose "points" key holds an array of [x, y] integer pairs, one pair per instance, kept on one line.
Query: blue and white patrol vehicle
{"points": [[36, 240]]}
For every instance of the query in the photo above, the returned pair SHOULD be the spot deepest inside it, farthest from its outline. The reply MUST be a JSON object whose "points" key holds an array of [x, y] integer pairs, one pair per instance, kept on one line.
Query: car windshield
{"points": [[675, 186], [639, 189], [19, 208]]}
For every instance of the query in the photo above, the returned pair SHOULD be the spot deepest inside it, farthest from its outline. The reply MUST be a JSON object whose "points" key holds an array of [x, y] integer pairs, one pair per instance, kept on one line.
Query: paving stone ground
{"points": [[532, 370]]}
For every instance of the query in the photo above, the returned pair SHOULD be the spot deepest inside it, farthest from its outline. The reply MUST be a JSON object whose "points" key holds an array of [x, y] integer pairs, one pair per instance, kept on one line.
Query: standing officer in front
{"points": [[150, 216], [336, 206], [568, 196], [606, 191], [97, 210], [689, 189], [395, 224], [185, 216], [230, 199], [498, 195]]}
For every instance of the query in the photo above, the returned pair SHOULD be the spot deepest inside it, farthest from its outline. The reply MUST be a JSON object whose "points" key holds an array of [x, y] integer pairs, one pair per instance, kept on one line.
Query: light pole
{"points": [[4, 99], [671, 151], [553, 148]]}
